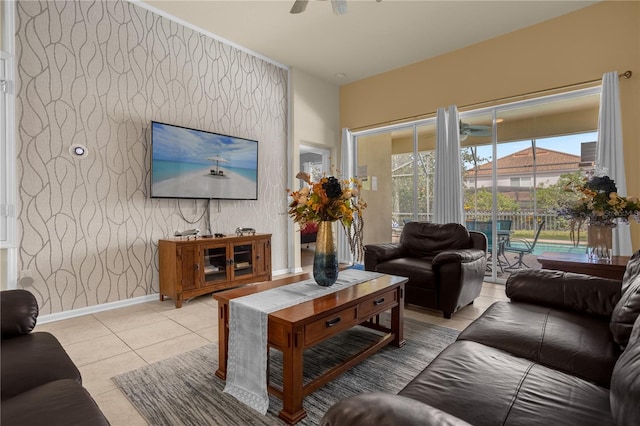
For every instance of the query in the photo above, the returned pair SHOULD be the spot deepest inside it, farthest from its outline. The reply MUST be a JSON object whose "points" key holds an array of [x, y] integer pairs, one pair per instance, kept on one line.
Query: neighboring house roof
{"points": [[547, 160]]}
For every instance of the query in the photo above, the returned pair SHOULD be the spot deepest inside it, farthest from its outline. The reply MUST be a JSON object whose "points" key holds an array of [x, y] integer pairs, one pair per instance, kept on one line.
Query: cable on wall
{"points": [[196, 205]]}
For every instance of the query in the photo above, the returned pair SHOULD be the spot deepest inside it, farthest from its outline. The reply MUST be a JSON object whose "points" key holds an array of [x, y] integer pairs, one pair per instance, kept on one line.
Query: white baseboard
{"points": [[59, 316], [94, 309]]}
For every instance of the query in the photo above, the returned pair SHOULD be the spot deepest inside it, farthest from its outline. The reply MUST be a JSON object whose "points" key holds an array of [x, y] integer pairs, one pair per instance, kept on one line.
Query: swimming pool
{"points": [[557, 247]]}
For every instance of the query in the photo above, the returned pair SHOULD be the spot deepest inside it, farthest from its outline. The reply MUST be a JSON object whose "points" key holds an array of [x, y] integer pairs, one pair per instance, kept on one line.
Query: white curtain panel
{"points": [[448, 195], [348, 170], [610, 152]]}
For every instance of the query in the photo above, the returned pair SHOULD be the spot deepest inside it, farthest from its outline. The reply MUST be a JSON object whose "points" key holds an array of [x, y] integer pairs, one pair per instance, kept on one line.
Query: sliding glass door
{"points": [[516, 159]]}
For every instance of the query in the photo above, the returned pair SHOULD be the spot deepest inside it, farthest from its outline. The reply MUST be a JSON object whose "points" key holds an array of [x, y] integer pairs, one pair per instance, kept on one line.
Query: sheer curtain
{"points": [[348, 170], [610, 152], [447, 194]]}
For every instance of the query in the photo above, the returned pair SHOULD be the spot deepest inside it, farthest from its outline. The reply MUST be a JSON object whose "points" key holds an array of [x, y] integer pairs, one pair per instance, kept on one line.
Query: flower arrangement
{"points": [[331, 200], [598, 203]]}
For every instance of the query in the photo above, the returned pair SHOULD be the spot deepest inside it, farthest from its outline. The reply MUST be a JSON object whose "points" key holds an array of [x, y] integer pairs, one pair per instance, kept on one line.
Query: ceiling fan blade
{"points": [[299, 6], [470, 130], [339, 6]]}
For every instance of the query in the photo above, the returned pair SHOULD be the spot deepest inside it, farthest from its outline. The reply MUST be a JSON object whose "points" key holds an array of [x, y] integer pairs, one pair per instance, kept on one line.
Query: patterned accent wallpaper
{"points": [[96, 73]]}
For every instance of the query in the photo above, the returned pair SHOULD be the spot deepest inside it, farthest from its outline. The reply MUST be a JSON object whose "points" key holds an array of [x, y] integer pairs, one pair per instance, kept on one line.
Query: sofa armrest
{"points": [[18, 311], [377, 253], [565, 290], [386, 410], [458, 256]]}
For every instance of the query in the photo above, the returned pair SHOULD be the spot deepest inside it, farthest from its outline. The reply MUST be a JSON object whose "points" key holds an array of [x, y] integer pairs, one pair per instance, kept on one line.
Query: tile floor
{"points": [[108, 343]]}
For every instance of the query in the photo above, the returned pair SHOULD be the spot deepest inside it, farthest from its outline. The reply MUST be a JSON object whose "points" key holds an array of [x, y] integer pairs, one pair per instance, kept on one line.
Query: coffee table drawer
{"points": [[378, 304], [330, 324]]}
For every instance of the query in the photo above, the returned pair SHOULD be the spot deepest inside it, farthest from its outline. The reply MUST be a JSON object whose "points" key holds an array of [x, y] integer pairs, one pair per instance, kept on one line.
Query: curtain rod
{"points": [[626, 75]]}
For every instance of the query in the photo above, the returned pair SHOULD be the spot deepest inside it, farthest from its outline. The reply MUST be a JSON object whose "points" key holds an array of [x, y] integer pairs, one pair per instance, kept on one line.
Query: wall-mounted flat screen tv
{"points": [[190, 163]]}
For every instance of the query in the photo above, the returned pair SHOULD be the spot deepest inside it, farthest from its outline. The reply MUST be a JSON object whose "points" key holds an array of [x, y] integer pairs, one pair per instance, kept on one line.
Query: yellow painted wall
{"points": [[573, 48], [375, 152]]}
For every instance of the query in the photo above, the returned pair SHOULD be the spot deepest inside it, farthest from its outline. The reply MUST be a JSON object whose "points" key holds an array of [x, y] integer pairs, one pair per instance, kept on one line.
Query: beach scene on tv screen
{"points": [[195, 164]]}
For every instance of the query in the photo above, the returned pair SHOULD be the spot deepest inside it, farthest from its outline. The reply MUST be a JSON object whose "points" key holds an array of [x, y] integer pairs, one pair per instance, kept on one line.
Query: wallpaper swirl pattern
{"points": [[96, 73]]}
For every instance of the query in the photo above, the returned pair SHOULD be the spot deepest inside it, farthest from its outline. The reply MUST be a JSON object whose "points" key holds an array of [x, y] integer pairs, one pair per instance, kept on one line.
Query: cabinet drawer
{"points": [[330, 324], [378, 304]]}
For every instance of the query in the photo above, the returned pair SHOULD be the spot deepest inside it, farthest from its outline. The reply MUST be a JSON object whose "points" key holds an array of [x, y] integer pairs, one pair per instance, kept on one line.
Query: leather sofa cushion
{"points": [[32, 360], [628, 307], [580, 345], [625, 382], [486, 386], [565, 290], [419, 271], [383, 409], [427, 239], [19, 312], [58, 403]]}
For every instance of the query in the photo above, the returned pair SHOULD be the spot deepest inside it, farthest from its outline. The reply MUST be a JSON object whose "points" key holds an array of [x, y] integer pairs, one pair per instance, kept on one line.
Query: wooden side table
{"points": [[581, 264]]}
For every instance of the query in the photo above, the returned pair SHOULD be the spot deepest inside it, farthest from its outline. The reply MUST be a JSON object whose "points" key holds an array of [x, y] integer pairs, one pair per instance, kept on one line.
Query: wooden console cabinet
{"points": [[190, 268]]}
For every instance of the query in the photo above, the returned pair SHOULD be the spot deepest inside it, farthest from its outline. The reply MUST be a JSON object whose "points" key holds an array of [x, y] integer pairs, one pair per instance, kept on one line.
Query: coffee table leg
{"points": [[223, 340], [397, 315], [292, 410]]}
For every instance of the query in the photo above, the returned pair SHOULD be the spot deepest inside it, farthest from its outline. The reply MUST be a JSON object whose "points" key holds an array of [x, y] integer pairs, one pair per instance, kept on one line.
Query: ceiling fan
{"points": [[469, 130], [339, 6]]}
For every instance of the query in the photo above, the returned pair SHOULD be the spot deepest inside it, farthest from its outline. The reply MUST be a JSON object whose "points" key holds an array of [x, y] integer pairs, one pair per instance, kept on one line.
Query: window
{"points": [[524, 182], [7, 108]]}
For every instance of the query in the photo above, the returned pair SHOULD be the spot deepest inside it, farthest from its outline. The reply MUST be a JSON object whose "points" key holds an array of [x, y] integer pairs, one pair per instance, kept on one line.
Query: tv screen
{"points": [[190, 163]]}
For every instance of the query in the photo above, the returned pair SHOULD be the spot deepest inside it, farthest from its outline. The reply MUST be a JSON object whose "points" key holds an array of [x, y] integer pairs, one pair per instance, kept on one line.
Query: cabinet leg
{"points": [[178, 303], [161, 297]]}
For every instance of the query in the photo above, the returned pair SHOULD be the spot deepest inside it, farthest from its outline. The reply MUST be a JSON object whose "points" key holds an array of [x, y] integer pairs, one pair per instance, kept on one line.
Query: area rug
{"points": [[184, 390]]}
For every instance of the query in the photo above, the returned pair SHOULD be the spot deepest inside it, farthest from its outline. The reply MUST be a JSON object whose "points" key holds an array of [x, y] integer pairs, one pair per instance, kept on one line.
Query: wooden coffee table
{"points": [[581, 264], [292, 330]]}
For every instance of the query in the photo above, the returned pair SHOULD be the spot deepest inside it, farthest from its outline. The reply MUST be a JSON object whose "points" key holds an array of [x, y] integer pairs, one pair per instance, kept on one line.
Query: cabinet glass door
{"points": [[215, 265], [243, 259]]}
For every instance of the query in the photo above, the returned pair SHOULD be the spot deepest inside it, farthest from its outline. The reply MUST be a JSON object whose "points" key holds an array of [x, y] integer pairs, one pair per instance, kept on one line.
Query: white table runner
{"points": [[247, 348]]}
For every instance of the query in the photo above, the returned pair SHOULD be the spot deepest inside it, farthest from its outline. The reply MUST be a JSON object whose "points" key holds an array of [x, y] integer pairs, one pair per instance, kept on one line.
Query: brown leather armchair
{"points": [[39, 383], [445, 264]]}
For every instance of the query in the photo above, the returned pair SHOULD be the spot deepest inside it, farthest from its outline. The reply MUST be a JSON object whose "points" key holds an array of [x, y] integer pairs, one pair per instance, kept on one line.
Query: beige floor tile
{"points": [[97, 349], [118, 410], [159, 306], [485, 301], [493, 292], [151, 334], [169, 348], [470, 312], [197, 320], [96, 377], [189, 308], [132, 319], [209, 333], [122, 311], [80, 333], [52, 327]]}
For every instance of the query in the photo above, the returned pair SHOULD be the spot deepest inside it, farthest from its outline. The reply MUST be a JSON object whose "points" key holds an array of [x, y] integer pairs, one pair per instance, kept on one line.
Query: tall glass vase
{"points": [[325, 259], [599, 242]]}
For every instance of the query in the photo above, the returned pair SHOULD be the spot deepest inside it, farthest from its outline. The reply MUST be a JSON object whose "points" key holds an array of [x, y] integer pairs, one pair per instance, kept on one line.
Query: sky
{"points": [[569, 144], [174, 143]]}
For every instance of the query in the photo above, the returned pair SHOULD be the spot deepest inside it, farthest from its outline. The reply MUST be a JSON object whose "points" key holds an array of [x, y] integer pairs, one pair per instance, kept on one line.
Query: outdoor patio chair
{"points": [[487, 229], [522, 251]]}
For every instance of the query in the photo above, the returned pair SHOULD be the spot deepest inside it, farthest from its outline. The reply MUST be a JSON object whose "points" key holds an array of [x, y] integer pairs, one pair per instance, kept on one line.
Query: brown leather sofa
{"points": [[563, 351], [39, 384], [445, 264]]}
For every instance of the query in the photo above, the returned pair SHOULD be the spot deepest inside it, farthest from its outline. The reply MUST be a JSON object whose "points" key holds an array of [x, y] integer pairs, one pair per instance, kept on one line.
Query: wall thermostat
{"points": [[78, 151]]}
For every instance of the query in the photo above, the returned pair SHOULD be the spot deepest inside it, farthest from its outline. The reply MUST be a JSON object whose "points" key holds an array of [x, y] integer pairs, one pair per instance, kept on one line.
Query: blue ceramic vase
{"points": [[325, 259]]}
